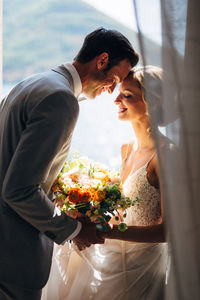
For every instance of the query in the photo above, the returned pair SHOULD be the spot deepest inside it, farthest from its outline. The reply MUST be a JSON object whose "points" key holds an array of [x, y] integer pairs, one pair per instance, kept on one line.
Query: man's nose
{"points": [[111, 88]]}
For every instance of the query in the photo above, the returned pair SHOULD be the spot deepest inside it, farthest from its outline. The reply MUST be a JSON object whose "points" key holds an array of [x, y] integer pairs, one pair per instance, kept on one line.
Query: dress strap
{"points": [[147, 163]]}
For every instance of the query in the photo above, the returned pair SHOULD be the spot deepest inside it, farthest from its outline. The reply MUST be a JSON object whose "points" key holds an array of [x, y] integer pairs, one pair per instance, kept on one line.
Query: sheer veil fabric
{"points": [[65, 264], [180, 60]]}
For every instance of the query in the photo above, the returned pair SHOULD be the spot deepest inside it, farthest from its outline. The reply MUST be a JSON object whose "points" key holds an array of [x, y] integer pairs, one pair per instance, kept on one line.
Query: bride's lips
{"points": [[122, 110]]}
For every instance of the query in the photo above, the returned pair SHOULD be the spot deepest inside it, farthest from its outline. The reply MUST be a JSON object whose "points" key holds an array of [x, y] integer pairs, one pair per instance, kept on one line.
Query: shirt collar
{"points": [[76, 79]]}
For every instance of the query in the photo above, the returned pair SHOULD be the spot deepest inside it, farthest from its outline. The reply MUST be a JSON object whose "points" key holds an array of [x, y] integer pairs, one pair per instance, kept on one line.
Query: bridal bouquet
{"points": [[90, 189]]}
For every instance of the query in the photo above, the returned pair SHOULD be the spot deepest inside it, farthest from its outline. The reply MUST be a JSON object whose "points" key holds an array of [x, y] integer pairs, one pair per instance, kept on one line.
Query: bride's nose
{"points": [[118, 99]]}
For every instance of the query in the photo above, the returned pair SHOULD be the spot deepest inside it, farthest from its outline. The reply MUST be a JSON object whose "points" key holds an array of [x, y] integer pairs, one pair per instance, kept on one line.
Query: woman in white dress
{"points": [[131, 265]]}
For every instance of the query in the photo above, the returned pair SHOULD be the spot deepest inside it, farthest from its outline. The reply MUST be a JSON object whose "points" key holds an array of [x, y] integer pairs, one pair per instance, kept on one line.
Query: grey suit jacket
{"points": [[36, 123]]}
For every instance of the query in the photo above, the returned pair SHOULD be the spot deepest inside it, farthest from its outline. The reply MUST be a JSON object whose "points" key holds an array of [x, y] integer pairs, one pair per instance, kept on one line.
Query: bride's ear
{"points": [[102, 61]]}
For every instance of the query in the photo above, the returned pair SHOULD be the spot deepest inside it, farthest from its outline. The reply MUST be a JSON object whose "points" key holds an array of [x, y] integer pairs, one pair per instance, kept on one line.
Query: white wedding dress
{"points": [[117, 269]]}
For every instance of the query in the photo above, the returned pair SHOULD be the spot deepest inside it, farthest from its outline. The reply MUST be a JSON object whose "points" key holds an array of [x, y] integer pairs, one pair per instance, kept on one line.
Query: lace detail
{"points": [[148, 212]]}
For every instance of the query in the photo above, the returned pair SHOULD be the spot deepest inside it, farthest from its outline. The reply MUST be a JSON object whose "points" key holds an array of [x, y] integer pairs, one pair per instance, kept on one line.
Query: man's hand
{"points": [[87, 236]]}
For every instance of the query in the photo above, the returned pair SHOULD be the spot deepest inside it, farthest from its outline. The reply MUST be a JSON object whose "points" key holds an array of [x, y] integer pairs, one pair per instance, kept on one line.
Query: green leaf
{"points": [[122, 227]]}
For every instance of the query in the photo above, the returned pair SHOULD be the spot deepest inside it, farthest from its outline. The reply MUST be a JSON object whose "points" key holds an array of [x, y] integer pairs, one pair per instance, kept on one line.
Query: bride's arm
{"points": [[141, 234]]}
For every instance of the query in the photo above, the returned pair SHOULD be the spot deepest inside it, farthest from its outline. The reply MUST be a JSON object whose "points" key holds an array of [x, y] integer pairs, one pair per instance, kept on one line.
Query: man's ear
{"points": [[102, 61]]}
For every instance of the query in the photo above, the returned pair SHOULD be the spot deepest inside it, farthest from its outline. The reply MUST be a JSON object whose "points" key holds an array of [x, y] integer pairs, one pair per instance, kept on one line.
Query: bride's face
{"points": [[130, 100]]}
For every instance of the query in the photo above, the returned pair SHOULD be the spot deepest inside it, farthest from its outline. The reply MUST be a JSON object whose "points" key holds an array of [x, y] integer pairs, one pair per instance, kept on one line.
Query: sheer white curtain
{"points": [[0, 49], [180, 168]]}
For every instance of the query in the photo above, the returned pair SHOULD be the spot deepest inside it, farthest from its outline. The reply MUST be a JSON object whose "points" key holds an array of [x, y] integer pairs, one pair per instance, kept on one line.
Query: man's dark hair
{"points": [[113, 42]]}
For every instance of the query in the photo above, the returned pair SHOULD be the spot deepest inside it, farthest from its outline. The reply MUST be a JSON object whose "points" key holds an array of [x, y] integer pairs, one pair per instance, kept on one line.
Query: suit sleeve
{"points": [[49, 125]]}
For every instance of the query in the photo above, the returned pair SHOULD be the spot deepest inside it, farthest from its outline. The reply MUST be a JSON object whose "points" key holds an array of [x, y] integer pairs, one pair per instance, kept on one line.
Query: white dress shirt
{"points": [[77, 81]]}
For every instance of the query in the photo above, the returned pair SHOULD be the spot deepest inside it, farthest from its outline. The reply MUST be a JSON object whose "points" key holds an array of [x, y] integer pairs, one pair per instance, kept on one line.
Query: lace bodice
{"points": [[148, 211]]}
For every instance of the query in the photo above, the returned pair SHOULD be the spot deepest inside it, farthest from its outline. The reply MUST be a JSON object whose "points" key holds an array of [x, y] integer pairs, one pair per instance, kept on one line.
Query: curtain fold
{"points": [[179, 168], [1, 63]]}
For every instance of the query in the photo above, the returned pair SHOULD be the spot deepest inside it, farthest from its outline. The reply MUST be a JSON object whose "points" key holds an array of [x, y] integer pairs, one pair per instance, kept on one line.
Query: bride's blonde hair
{"points": [[150, 80]]}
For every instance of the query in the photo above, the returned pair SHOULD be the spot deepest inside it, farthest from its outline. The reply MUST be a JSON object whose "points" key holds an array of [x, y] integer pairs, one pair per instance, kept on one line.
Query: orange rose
{"points": [[106, 179], [99, 195], [85, 197], [92, 191], [74, 195]]}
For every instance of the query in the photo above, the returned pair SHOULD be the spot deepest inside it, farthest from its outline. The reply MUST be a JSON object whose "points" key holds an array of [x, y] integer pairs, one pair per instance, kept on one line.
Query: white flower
{"points": [[75, 171], [66, 180], [84, 180], [99, 175], [95, 182], [84, 160], [100, 166]]}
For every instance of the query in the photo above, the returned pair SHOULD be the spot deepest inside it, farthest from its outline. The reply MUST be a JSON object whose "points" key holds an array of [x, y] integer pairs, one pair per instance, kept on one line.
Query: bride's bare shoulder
{"points": [[126, 148]]}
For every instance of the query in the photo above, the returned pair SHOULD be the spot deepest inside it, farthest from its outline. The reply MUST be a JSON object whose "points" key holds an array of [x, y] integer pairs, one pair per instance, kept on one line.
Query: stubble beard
{"points": [[98, 79]]}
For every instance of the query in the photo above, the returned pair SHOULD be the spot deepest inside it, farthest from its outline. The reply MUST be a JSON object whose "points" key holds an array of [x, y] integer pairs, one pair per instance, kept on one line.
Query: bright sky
{"points": [[123, 12]]}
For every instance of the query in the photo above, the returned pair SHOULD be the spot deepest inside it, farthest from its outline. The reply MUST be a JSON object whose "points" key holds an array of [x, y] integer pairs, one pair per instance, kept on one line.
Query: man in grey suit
{"points": [[37, 120]]}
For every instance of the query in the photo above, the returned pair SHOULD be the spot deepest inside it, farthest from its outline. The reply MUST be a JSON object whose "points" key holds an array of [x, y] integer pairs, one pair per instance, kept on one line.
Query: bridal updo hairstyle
{"points": [[150, 80], [113, 42]]}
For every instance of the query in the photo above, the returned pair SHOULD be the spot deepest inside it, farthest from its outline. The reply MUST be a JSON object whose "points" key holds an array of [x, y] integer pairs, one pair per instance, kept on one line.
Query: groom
{"points": [[37, 120]]}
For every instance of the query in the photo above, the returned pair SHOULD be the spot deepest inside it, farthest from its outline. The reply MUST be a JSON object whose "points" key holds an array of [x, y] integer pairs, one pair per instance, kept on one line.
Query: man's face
{"points": [[101, 81]]}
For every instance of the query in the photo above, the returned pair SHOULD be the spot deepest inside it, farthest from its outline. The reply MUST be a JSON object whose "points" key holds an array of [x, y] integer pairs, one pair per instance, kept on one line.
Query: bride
{"points": [[131, 265]]}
